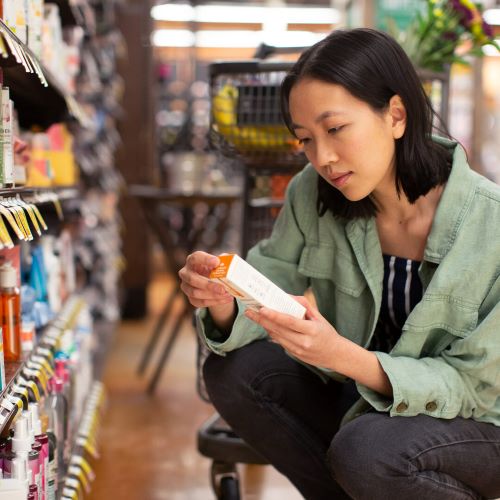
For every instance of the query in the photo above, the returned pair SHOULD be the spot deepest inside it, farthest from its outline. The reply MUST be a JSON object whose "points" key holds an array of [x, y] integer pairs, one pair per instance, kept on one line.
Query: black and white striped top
{"points": [[402, 290]]}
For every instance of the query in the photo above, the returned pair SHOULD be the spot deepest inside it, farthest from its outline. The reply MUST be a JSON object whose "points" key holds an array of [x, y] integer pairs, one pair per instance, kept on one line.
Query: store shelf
{"points": [[40, 98], [79, 474], [63, 192], [12, 370], [64, 320]]}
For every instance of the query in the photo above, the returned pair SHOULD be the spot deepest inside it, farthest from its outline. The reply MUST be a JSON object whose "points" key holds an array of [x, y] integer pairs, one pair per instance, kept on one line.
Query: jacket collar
{"points": [[453, 205]]}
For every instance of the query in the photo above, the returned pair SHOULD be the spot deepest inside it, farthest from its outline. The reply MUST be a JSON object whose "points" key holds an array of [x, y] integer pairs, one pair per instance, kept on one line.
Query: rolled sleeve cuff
{"points": [[243, 332], [416, 388]]}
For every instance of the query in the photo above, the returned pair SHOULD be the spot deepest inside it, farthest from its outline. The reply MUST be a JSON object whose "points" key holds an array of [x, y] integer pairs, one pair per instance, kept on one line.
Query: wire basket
{"points": [[246, 119]]}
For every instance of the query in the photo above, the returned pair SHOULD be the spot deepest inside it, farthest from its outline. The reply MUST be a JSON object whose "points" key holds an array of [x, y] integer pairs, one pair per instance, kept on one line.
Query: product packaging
{"points": [[252, 288], [6, 140]]}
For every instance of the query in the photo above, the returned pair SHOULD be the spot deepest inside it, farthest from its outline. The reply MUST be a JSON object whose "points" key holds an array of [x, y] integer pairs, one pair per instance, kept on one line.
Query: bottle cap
{"points": [[35, 418], [8, 276], [21, 441], [29, 417], [56, 385], [42, 438], [62, 370]]}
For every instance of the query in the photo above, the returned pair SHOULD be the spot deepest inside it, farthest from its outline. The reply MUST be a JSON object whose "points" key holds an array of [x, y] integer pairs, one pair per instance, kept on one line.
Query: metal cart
{"points": [[246, 125]]}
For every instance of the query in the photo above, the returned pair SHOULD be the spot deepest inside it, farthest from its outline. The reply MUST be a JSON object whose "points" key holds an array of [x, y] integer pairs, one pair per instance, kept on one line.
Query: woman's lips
{"points": [[340, 179]]}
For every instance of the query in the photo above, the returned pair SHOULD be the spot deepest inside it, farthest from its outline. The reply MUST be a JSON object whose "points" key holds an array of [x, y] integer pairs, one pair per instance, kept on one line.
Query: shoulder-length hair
{"points": [[373, 67]]}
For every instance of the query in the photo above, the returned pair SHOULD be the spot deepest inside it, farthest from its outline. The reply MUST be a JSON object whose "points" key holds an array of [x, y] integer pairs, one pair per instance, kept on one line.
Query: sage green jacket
{"points": [[447, 361]]}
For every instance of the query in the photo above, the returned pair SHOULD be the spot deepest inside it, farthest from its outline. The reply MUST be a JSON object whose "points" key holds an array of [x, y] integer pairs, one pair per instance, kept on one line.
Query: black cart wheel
{"points": [[225, 481], [229, 489]]}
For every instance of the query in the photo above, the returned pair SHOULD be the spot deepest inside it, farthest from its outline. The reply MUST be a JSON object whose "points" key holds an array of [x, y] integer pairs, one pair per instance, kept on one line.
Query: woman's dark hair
{"points": [[373, 67]]}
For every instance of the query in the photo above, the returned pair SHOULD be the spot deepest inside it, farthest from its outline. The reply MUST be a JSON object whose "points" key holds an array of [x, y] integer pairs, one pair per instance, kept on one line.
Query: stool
{"points": [[197, 210]]}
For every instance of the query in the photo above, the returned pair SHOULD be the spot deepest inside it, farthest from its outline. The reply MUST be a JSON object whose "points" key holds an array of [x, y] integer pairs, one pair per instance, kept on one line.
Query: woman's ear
{"points": [[397, 112]]}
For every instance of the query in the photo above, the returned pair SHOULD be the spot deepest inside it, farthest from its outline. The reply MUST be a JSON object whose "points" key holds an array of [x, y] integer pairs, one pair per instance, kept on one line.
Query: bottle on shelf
{"points": [[7, 139], [11, 313], [57, 408]]}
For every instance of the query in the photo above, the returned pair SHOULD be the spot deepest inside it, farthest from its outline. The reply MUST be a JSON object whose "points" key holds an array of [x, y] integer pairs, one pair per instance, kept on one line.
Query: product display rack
{"points": [[65, 320], [41, 100]]}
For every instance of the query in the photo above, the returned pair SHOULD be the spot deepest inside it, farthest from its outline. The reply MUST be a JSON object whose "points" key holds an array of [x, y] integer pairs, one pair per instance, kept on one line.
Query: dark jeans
{"points": [[292, 418]]}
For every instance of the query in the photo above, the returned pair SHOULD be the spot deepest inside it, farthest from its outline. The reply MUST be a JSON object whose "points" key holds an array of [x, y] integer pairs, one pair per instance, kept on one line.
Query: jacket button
{"points": [[401, 407], [431, 406]]}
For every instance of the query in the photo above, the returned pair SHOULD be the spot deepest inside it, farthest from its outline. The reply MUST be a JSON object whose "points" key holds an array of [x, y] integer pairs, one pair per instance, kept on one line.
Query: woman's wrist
{"points": [[223, 316], [361, 365]]}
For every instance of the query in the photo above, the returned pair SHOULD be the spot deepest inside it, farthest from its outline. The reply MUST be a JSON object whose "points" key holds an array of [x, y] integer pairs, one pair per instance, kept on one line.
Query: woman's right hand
{"points": [[200, 291]]}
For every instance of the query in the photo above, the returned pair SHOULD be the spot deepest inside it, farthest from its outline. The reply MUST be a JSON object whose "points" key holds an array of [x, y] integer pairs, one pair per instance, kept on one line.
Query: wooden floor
{"points": [[148, 444]]}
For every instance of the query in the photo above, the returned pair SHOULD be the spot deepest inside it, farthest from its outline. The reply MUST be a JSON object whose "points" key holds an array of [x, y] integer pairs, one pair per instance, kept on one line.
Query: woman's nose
{"points": [[325, 154]]}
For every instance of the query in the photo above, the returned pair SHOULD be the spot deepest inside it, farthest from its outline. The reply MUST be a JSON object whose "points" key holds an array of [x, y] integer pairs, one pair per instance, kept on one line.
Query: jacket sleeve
{"points": [[463, 380], [277, 258]]}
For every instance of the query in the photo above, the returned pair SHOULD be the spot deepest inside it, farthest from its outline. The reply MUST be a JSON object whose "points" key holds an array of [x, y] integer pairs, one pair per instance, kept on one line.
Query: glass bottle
{"points": [[57, 410], [11, 312]]}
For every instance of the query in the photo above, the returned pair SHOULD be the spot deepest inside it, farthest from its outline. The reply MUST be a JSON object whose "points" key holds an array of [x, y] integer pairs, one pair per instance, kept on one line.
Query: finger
{"points": [[202, 262], [196, 280], [311, 311], [19, 145], [276, 329], [283, 320], [203, 293], [209, 302], [287, 343]]}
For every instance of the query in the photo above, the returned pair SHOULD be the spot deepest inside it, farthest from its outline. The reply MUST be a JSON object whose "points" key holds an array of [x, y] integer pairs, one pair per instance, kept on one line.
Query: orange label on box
{"points": [[221, 270]]}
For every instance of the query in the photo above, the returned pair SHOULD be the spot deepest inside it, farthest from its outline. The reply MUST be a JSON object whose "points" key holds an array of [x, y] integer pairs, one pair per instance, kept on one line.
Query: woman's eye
{"points": [[305, 140], [333, 130]]}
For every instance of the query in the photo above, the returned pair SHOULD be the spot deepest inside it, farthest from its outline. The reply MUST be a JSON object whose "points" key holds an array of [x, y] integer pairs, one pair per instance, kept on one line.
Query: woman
{"points": [[389, 388]]}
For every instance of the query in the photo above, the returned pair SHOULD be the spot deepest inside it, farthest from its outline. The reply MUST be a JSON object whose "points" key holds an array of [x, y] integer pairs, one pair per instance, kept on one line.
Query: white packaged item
{"points": [[252, 288]]}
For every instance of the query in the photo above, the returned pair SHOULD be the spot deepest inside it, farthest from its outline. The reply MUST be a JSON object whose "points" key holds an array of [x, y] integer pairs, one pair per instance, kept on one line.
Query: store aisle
{"points": [[148, 444]]}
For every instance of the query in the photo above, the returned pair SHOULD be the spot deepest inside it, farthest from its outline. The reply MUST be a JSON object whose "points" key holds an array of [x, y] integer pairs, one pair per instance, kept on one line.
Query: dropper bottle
{"points": [[11, 312]]}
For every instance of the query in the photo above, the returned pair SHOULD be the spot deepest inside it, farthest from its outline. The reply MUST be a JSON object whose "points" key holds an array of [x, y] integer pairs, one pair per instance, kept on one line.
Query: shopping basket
{"points": [[246, 123], [246, 119]]}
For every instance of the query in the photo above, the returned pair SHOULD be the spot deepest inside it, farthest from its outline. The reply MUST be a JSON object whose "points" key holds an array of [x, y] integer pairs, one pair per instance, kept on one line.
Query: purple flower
{"points": [[487, 29], [466, 15], [450, 36]]}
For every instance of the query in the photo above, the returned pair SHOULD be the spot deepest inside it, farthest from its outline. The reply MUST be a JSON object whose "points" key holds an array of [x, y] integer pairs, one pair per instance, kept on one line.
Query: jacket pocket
{"points": [[443, 312], [435, 323], [327, 263]]}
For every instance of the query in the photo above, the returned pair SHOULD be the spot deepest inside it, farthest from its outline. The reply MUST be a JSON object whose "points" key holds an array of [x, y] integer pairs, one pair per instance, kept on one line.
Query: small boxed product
{"points": [[252, 288]]}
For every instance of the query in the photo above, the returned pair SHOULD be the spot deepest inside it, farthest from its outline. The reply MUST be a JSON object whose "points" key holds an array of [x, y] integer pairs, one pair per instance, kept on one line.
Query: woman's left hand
{"points": [[311, 340]]}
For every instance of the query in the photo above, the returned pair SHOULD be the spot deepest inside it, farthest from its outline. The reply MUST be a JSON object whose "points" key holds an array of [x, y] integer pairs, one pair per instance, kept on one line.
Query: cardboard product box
{"points": [[252, 288]]}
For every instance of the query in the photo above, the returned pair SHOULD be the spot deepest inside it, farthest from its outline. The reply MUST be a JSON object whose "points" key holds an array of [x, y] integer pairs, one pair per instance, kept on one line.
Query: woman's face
{"points": [[351, 146]]}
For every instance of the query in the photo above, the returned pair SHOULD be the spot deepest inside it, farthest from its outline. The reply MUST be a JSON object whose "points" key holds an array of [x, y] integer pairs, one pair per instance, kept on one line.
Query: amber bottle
{"points": [[11, 313]]}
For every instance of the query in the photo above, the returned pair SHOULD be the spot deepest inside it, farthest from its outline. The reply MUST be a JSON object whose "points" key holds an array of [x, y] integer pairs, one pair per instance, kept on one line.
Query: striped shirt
{"points": [[402, 290]]}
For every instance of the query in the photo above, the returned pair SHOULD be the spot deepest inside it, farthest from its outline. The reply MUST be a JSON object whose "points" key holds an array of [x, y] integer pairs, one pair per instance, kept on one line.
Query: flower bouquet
{"points": [[445, 32]]}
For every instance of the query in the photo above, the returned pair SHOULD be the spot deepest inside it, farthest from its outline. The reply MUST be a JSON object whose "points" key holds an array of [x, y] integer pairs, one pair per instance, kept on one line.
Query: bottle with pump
{"points": [[11, 313]]}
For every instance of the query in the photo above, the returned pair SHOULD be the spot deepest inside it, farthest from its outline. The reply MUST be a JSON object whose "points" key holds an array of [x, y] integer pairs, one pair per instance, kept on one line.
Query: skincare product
{"points": [[252, 288]]}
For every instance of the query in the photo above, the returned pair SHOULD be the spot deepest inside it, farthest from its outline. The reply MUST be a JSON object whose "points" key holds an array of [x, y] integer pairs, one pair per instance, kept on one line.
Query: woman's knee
{"points": [[228, 376], [362, 456]]}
